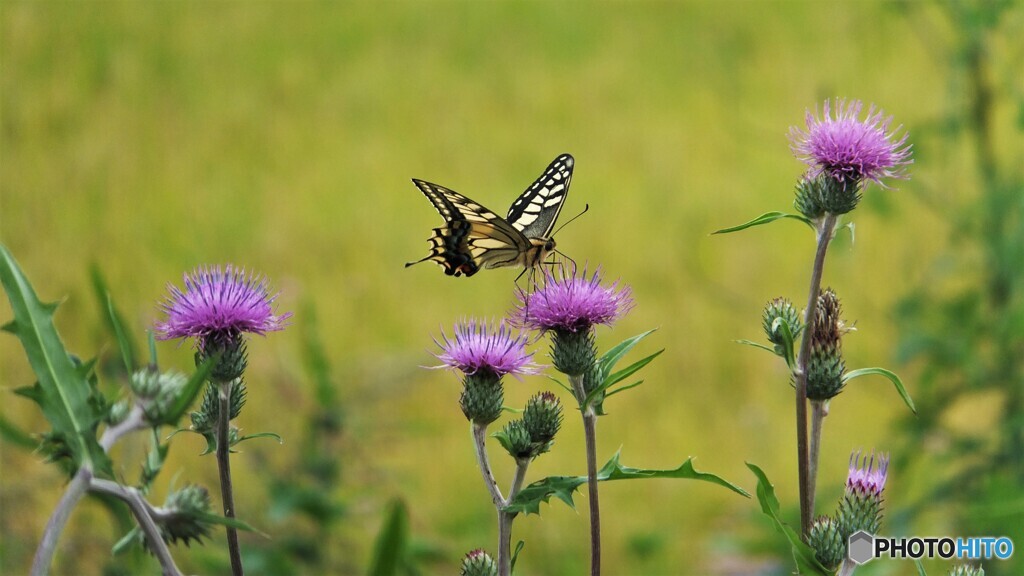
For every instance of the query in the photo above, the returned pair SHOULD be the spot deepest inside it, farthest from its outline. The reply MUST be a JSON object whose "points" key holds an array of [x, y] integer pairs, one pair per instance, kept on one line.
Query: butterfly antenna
{"points": [[585, 208], [566, 256]]}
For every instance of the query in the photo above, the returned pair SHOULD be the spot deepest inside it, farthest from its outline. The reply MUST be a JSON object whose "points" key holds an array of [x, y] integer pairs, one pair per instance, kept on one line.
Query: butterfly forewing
{"points": [[535, 211], [474, 237]]}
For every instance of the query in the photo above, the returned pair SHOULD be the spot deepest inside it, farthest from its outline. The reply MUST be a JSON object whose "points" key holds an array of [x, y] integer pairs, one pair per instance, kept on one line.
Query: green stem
{"points": [[590, 436], [825, 231], [505, 520], [224, 467]]}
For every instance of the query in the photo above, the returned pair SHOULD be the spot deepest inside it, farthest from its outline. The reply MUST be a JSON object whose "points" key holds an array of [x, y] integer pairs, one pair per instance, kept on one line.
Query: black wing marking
{"points": [[535, 211], [473, 237]]}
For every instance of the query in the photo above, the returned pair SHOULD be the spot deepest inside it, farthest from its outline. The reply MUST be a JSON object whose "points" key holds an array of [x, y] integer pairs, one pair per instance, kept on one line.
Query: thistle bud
{"points": [[573, 353], [482, 396], [543, 417], [229, 349], [478, 563], [206, 418], [827, 542], [777, 311], [825, 366], [861, 505], [182, 515], [515, 438], [156, 392], [821, 194]]}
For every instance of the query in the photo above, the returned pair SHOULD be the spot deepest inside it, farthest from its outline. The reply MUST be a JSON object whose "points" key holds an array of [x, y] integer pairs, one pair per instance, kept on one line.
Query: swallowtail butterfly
{"points": [[473, 237]]}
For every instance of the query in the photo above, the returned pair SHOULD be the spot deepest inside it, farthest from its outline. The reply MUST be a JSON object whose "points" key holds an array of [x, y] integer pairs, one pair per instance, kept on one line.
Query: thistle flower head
{"points": [[865, 478], [478, 563], [571, 303], [219, 303], [850, 149], [478, 347]]}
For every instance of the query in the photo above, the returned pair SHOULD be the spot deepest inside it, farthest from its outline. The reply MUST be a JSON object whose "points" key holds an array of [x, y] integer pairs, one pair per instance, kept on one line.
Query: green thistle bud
{"points": [[156, 393], [573, 353], [478, 563], [543, 417], [231, 352], [180, 518], [966, 570], [482, 396], [825, 366], [827, 541], [816, 196], [776, 311], [206, 418], [515, 438], [118, 412]]}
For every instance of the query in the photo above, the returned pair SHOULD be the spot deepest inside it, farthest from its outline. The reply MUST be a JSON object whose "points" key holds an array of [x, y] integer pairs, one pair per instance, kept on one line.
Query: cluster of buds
{"points": [[777, 312], [535, 433], [205, 420], [156, 392], [826, 539]]}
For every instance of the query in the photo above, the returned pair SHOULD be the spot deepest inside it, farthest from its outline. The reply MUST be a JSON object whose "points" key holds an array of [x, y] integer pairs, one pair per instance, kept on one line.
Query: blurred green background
{"points": [[151, 138]]}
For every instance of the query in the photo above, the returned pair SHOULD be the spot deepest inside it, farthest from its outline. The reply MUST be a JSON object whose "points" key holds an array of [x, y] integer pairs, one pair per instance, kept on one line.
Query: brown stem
{"points": [[825, 230], [224, 466]]}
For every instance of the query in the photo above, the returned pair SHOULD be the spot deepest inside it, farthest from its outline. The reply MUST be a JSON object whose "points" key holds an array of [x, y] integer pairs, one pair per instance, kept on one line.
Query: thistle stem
{"points": [[825, 230], [224, 467], [55, 525], [144, 514], [76, 489], [505, 520], [590, 435], [819, 410]]}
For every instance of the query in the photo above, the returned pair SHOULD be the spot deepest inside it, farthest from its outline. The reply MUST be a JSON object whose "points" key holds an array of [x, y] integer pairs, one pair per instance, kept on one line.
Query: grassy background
{"points": [[151, 139]]}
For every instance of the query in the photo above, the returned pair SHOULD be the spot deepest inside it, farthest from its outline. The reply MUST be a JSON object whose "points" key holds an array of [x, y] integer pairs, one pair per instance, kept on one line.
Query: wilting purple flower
{"points": [[219, 302], [572, 303], [477, 346], [850, 149], [864, 477]]}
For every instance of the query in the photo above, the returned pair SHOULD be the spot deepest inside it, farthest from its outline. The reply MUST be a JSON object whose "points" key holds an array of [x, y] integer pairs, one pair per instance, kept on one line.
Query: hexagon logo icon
{"points": [[860, 547]]}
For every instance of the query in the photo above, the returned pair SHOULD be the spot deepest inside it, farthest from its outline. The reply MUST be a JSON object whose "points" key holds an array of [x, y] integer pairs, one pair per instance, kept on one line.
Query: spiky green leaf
{"points": [[66, 397], [562, 487]]}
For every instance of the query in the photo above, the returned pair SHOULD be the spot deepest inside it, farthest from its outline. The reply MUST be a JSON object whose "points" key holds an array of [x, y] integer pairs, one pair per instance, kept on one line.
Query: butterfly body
{"points": [[474, 237]]}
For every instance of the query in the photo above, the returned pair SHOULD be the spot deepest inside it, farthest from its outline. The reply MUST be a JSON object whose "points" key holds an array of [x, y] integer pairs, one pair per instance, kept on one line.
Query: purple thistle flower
{"points": [[572, 303], [849, 149], [864, 478], [219, 302], [479, 347]]}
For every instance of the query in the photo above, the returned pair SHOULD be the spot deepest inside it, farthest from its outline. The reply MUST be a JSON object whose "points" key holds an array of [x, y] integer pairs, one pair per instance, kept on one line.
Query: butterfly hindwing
{"points": [[473, 237], [535, 211]]}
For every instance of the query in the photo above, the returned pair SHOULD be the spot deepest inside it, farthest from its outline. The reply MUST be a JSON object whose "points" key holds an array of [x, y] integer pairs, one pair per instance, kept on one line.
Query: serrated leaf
{"points": [[562, 487], [66, 393], [803, 555], [891, 376], [766, 218], [391, 546]]}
